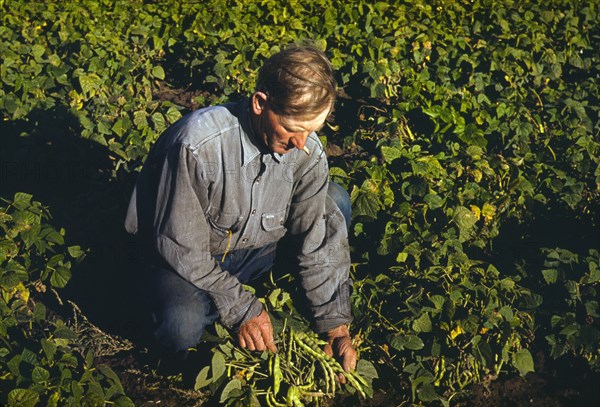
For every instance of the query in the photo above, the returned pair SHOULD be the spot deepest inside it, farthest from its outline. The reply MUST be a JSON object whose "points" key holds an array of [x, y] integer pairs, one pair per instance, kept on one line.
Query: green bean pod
{"points": [[272, 401], [277, 374]]}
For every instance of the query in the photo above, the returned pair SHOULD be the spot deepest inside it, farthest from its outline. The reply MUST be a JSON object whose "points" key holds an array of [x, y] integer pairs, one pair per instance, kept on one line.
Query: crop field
{"points": [[467, 133]]}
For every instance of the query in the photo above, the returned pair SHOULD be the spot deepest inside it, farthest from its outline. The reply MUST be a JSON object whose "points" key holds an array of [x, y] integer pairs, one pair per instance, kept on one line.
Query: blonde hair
{"points": [[298, 81]]}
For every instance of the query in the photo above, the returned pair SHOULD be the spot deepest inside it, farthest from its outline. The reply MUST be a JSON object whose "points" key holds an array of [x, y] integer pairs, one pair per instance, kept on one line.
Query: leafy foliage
{"points": [[300, 372], [473, 115], [572, 297], [38, 359]]}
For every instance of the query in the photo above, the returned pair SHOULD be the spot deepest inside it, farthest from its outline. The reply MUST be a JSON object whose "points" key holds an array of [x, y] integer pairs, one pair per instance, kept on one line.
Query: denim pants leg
{"points": [[181, 311], [342, 200]]}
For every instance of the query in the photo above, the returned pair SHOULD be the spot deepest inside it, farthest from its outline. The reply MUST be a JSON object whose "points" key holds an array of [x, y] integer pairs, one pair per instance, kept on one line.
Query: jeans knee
{"points": [[342, 199], [180, 326]]}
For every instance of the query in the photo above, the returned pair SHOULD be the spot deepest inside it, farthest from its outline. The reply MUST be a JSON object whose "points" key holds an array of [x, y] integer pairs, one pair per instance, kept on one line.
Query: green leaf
{"points": [[49, 349], [523, 361], [438, 301], [434, 201], [89, 83], [173, 114], [94, 397], [76, 252], [221, 331], [423, 324], [54, 60], [427, 393], [485, 353], [22, 200], [338, 172], [123, 401], [22, 398], [140, 119], [39, 375], [39, 312], [64, 332], [159, 122], [367, 370], [55, 237], [364, 202], [427, 166], [218, 366], [112, 376], [158, 72], [60, 277], [401, 257], [16, 274], [475, 152], [233, 389], [53, 400], [202, 380], [465, 219], [390, 153], [120, 127], [30, 235], [550, 275], [401, 342], [37, 51], [8, 249]]}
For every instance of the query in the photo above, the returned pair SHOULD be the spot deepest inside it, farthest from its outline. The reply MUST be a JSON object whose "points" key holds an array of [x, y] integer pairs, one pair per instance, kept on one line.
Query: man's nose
{"points": [[299, 141]]}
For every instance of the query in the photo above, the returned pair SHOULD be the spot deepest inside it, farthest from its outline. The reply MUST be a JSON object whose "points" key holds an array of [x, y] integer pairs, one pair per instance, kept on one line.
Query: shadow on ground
{"points": [[45, 156]]}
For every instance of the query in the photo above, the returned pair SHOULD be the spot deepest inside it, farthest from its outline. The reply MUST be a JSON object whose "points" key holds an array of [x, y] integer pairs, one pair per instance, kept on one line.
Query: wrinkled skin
{"points": [[339, 345], [282, 134], [257, 333]]}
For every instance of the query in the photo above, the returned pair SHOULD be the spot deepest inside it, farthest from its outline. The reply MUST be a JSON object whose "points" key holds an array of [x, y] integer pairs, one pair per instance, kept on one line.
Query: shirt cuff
{"points": [[254, 310], [324, 325]]}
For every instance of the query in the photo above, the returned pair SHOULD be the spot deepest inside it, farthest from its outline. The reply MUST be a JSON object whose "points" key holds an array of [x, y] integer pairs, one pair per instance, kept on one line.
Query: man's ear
{"points": [[258, 102]]}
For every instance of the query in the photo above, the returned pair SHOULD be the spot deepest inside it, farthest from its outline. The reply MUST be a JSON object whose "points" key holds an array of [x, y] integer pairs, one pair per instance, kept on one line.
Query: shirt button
{"points": [[244, 240], [257, 180], [253, 211]]}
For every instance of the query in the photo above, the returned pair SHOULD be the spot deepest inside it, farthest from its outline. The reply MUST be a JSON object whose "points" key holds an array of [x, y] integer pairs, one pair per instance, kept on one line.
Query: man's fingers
{"points": [[242, 341], [257, 334], [255, 337], [269, 339], [349, 362], [347, 352], [270, 343], [250, 344], [328, 350]]}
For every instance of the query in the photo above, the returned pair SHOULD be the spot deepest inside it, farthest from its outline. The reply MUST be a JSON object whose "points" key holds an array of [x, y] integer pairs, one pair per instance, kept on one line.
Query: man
{"points": [[223, 186]]}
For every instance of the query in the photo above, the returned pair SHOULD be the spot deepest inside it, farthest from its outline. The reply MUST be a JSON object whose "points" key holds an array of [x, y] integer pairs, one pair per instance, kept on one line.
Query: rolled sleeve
{"points": [[182, 237], [319, 237]]}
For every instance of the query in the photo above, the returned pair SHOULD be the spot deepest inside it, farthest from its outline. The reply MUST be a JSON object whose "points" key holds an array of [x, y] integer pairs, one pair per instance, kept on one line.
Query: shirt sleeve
{"points": [[182, 237], [319, 238]]}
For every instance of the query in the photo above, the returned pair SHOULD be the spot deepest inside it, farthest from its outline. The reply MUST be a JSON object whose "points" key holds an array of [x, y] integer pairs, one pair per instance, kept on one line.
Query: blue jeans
{"points": [[181, 311]]}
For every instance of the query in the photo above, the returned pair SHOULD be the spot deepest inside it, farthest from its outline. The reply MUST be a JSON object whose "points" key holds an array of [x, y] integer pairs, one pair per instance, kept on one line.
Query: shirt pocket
{"points": [[221, 225], [273, 227]]}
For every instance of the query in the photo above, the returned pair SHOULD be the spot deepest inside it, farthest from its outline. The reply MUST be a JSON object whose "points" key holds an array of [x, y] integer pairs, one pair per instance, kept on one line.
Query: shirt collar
{"points": [[251, 145]]}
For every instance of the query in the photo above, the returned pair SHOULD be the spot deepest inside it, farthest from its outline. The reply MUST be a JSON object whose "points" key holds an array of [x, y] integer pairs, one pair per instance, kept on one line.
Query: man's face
{"points": [[281, 134]]}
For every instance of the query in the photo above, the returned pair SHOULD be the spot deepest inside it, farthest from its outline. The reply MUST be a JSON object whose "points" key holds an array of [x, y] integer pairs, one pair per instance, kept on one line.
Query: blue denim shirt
{"points": [[209, 186]]}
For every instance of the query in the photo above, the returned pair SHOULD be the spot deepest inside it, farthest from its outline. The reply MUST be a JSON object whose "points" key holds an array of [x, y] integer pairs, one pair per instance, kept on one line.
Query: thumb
{"points": [[328, 349], [347, 352]]}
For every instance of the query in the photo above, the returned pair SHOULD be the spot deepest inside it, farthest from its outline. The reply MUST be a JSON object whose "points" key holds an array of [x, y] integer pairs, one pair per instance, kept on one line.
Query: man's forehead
{"points": [[305, 123]]}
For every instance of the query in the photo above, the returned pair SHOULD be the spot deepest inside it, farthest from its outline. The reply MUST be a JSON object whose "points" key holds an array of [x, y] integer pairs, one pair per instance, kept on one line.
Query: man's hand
{"points": [[339, 345], [257, 333]]}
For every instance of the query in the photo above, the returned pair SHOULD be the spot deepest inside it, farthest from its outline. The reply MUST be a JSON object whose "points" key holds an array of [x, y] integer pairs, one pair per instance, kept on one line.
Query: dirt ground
{"points": [[567, 382]]}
